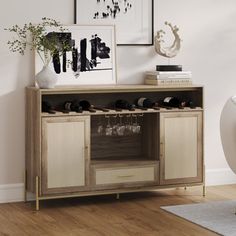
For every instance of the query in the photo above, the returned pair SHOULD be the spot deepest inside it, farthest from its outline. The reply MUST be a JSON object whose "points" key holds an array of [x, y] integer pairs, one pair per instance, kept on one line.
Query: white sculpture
{"points": [[228, 131], [171, 51]]}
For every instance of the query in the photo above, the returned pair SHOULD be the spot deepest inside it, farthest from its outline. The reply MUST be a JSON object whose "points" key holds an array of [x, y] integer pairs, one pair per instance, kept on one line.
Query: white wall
{"points": [[16, 73], [207, 28]]}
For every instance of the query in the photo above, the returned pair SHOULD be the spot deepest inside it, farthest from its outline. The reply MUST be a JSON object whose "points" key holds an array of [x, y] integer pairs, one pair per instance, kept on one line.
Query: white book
{"points": [[168, 73], [168, 82], [150, 76]]}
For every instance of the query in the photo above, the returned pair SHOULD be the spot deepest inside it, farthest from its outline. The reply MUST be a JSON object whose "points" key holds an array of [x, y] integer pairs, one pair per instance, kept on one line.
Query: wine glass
{"points": [[115, 126], [121, 127], [100, 127], [136, 128], [128, 126], [108, 129]]}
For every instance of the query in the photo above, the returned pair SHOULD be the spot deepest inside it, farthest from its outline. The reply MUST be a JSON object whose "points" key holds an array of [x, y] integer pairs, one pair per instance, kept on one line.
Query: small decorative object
{"points": [[172, 50], [168, 67], [90, 59], [133, 18], [47, 46]]}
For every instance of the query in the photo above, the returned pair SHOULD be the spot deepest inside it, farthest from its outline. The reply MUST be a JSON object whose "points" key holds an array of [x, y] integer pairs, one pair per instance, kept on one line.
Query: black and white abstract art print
{"points": [[90, 58], [133, 18]]}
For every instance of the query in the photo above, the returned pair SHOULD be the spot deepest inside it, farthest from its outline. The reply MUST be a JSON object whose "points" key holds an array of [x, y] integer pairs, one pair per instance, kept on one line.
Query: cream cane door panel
{"points": [[181, 147], [65, 154]]}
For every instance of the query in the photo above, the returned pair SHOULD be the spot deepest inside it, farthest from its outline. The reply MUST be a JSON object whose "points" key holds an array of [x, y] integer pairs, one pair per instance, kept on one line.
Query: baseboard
{"points": [[11, 193], [15, 192], [220, 177]]}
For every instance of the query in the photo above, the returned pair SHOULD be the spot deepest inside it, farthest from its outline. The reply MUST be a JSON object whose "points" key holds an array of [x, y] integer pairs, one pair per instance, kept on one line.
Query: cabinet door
{"points": [[181, 148], [65, 154]]}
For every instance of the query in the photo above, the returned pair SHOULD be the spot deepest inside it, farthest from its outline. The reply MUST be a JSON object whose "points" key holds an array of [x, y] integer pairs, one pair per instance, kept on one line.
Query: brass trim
{"points": [[25, 186], [204, 190], [204, 182], [37, 193]]}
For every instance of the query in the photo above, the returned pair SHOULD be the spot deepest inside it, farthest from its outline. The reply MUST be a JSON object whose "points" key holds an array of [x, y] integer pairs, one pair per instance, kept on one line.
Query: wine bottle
{"points": [[123, 104], [47, 107], [86, 106], [171, 102], [189, 104], [146, 103], [73, 106]]}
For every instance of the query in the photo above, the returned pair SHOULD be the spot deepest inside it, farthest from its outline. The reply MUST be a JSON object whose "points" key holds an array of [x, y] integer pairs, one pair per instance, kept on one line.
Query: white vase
{"points": [[46, 78]]}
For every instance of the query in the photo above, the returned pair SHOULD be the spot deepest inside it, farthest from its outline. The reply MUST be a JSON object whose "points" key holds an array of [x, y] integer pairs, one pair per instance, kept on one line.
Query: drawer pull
{"points": [[125, 176]]}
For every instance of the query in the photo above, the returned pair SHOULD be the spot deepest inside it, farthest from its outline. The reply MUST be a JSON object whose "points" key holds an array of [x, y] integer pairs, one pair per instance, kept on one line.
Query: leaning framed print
{"points": [[133, 18], [90, 58]]}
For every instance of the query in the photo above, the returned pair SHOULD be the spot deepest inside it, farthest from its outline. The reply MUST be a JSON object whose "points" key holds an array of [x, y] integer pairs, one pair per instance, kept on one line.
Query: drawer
{"points": [[125, 175]]}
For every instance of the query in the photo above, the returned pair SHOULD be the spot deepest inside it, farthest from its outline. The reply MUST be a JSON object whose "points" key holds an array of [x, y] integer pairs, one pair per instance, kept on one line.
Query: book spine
{"points": [[155, 77], [173, 77], [168, 82], [169, 72]]}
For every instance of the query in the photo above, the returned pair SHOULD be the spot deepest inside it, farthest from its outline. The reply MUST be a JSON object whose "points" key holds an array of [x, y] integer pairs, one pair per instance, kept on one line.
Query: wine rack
{"points": [[91, 140]]}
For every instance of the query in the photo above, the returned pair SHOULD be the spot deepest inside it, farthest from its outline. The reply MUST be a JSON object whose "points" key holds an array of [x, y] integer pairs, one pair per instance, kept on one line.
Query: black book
{"points": [[168, 67]]}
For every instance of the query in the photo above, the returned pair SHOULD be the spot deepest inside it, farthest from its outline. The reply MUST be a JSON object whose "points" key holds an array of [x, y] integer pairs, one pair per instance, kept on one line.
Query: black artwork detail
{"points": [[56, 63], [74, 57], [83, 56], [64, 62], [60, 39], [99, 48], [79, 61], [112, 8]]}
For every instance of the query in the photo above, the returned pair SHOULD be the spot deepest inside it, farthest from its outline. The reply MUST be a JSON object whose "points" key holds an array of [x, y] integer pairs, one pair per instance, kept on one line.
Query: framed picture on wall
{"points": [[133, 18], [90, 58]]}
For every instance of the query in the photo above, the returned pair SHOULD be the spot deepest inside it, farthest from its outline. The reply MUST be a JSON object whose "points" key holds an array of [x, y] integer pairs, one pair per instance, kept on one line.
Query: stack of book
{"points": [[168, 77]]}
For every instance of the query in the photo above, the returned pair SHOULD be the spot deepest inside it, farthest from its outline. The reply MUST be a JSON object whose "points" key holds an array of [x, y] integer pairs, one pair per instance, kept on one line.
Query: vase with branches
{"points": [[35, 37]]}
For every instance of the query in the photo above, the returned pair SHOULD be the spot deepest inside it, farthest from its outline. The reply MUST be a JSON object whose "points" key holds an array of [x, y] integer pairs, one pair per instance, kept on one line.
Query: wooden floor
{"points": [[136, 214]]}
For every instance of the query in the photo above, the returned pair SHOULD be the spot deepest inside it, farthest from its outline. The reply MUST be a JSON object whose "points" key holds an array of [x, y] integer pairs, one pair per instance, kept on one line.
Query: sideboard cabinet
{"points": [[105, 150]]}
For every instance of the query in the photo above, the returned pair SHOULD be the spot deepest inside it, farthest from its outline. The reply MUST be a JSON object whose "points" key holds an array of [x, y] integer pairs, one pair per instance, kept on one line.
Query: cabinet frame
{"points": [[34, 179]]}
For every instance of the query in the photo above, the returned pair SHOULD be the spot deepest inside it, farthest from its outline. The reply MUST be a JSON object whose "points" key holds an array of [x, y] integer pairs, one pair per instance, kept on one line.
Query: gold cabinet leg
{"points": [[204, 190], [117, 196], [204, 182], [25, 186], [37, 193]]}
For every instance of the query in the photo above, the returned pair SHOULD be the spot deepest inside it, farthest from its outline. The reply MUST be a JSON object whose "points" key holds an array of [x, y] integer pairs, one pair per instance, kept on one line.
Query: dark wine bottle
{"points": [[191, 104], [73, 106], [188, 103], [146, 103], [171, 102], [123, 104], [47, 107], [86, 106]]}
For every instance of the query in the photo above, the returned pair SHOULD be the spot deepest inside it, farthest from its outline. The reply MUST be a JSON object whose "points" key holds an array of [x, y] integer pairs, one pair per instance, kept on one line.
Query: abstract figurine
{"points": [[171, 51]]}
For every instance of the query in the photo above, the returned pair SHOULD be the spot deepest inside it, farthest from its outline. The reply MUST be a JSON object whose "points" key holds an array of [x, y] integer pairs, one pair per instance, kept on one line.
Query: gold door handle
{"points": [[125, 176], [161, 149], [86, 151]]}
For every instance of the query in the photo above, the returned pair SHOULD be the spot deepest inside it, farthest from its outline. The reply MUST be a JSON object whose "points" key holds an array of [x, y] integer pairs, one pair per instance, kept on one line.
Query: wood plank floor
{"points": [[136, 214]]}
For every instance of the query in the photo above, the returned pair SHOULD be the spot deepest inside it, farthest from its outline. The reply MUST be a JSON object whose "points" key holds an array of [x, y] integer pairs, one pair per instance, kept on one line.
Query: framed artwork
{"points": [[133, 18], [91, 55]]}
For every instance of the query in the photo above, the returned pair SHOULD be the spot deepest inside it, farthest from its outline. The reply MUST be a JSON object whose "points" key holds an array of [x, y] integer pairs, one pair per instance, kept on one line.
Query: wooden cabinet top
{"points": [[113, 89]]}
